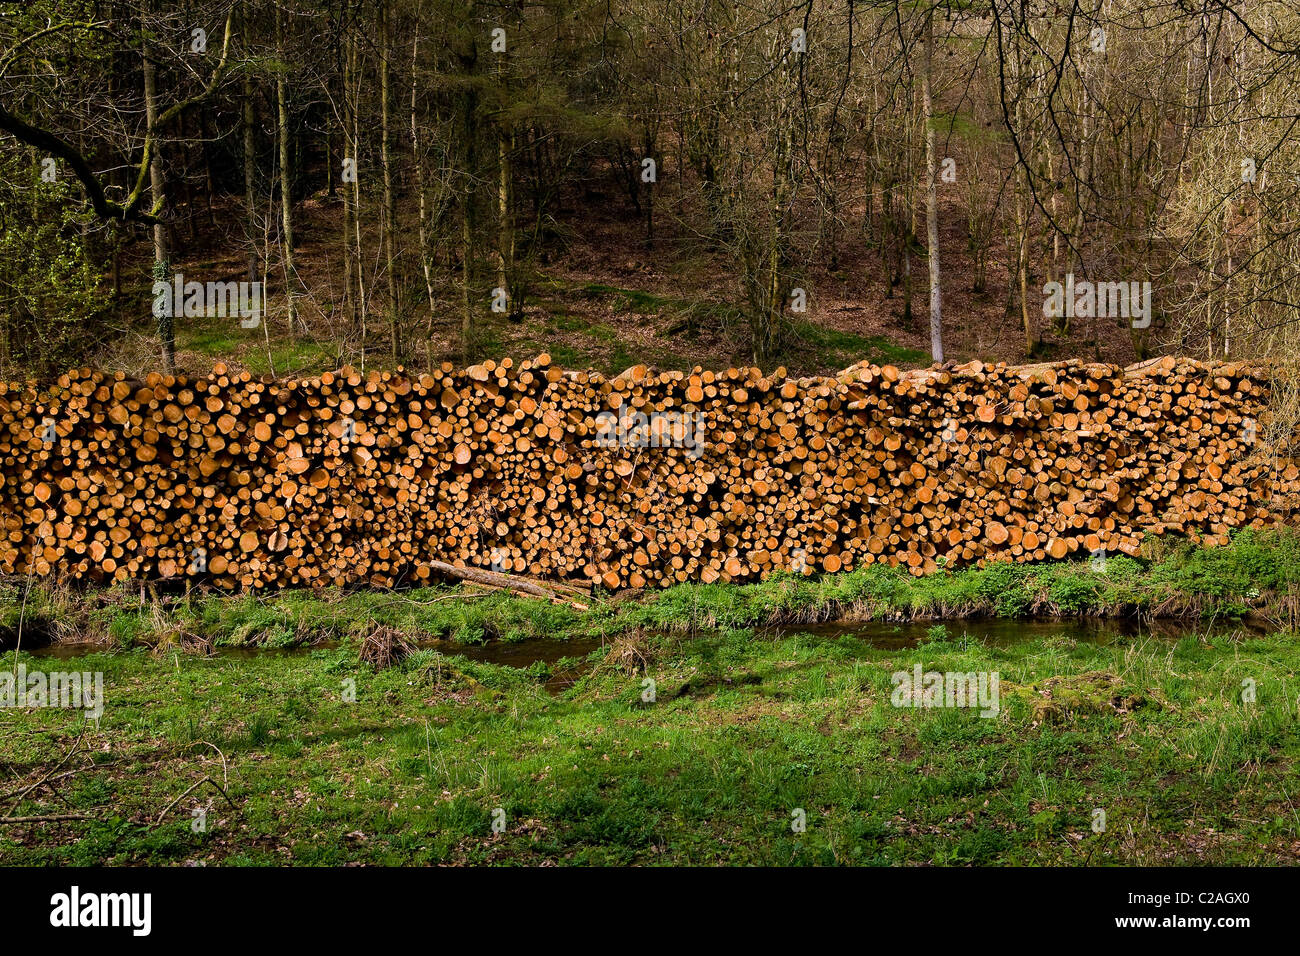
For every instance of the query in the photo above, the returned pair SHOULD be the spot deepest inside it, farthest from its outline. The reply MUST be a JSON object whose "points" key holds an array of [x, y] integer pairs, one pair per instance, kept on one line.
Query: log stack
{"points": [[643, 479]]}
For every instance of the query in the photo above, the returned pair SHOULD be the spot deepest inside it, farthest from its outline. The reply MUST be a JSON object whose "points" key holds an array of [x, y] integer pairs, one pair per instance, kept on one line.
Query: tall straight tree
{"points": [[352, 292], [931, 197], [390, 193], [467, 62], [248, 122], [157, 186], [286, 170], [417, 152]]}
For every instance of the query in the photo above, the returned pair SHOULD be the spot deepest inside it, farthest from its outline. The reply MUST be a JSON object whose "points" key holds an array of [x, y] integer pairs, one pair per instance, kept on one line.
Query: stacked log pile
{"points": [[643, 479]]}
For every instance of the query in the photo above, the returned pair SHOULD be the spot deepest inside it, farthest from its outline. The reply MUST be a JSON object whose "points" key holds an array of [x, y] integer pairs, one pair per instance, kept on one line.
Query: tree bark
{"points": [[468, 249], [931, 197], [390, 198], [248, 118], [355, 133], [349, 157], [158, 191], [505, 227], [286, 177], [426, 263]]}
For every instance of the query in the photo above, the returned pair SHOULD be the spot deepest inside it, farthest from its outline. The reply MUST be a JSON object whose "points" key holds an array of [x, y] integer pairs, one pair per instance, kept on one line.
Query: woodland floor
{"points": [[600, 298]]}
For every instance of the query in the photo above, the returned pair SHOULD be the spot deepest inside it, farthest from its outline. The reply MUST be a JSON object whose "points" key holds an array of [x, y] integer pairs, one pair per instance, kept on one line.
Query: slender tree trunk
{"points": [[505, 227], [158, 191], [469, 212], [1054, 273], [286, 177], [248, 121], [467, 249], [349, 161], [1022, 256], [1076, 262], [906, 247], [362, 304], [390, 198], [209, 180], [931, 197], [187, 185], [416, 149]]}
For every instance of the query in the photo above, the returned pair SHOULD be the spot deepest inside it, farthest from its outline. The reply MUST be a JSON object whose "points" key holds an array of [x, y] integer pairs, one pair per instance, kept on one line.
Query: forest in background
{"points": [[419, 181]]}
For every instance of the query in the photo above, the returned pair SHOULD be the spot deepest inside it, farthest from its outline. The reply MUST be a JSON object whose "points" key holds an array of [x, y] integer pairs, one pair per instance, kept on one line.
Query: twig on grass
{"points": [[18, 798], [196, 786]]}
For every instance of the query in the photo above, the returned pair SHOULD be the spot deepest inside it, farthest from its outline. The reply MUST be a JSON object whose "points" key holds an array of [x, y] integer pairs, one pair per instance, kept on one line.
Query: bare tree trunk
{"points": [[349, 160], [1022, 257], [772, 306], [467, 250], [248, 119], [158, 191], [187, 186], [906, 247], [505, 224], [425, 258], [209, 180], [390, 198], [469, 175], [1054, 274], [931, 197], [505, 227], [286, 176], [362, 307], [466, 283], [1082, 182]]}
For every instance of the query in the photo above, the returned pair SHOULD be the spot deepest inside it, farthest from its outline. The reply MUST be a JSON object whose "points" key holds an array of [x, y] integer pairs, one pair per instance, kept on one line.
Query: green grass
{"points": [[745, 730], [633, 300], [292, 358], [286, 357], [831, 348], [209, 340]]}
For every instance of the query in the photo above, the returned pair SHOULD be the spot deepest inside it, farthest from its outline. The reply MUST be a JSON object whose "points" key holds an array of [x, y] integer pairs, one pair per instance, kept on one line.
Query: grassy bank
{"points": [[743, 732], [1256, 574]]}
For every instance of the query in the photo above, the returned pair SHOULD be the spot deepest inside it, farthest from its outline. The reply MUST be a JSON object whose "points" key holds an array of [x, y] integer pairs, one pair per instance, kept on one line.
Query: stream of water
{"points": [[888, 636]]}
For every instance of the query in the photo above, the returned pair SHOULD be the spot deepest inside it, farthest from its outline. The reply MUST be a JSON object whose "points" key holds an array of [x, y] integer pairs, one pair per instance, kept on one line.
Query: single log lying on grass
{"points": [[643, 479], [499, 581]]}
